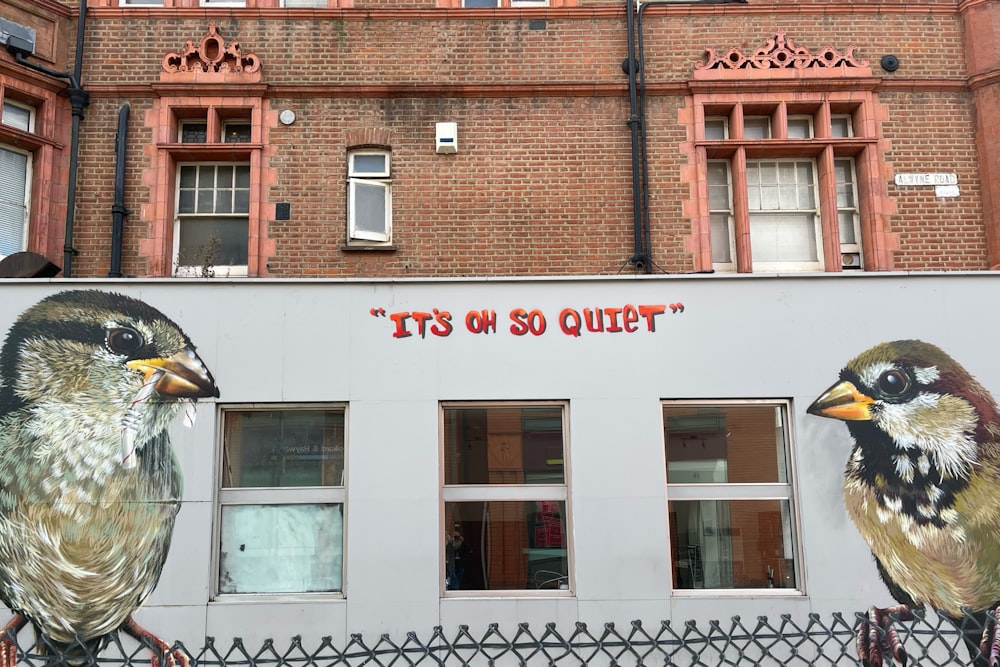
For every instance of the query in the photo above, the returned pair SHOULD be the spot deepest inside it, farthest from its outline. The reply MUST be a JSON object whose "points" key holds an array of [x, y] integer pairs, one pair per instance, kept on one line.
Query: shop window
{"points": [[281, 515], [729, 490], [369, 197], [505, 496]]}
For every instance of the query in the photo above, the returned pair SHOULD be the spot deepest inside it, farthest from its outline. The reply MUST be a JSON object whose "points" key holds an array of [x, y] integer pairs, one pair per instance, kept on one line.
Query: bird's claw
{"points": [[989, 645], [163, 654], [877, 638]]}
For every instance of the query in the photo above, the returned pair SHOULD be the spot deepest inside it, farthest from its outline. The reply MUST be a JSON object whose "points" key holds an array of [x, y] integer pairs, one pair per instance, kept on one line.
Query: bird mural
{"points": [[89, 484], [922, 486]]}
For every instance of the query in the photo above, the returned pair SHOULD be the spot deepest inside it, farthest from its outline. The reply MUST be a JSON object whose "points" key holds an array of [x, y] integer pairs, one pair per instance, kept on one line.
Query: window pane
{"points": [[840, 126], [848, 233], [503, 445], [17, 117], [206, 176], [721, 239], [715, 129], [281, 548], [280, 448], [189, 176], [718, 186], [799, 128], [481, 3], [194, 133], [369, 207], [506, 545], [243, 176], [756, 127], [783, 237], [213, 241], [366, 163], [13, 200], [236, 133], [725, 444], [731, 544]]}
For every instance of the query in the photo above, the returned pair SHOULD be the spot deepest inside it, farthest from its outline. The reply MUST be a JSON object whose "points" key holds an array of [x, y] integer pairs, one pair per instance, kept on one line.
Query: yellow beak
{"points": [[843, 401], [183, 375]]}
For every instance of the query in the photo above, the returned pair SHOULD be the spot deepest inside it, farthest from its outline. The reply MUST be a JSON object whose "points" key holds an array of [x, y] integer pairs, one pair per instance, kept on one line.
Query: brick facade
{"points": [[542, 182]]}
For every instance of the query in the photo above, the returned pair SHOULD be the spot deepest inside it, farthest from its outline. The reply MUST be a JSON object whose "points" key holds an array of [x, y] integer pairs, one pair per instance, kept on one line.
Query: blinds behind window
{"points": [[13, 200]]}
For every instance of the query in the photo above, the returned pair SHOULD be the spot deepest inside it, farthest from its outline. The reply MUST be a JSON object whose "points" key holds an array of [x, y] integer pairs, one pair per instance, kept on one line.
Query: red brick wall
{"points": [[542, 182]]}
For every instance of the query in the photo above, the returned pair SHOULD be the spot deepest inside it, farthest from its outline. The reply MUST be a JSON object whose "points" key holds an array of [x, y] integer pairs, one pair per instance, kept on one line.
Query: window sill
{"points": [[277, 598], [369, 248], [691, 593]]}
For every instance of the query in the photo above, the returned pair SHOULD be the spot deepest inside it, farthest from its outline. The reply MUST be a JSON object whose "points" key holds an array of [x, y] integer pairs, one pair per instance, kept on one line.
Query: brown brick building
{"points": [[300, 138]]}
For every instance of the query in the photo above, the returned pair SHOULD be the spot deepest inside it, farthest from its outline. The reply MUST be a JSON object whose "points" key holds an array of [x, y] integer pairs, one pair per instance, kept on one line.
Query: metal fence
{"points": [[813, 640]]}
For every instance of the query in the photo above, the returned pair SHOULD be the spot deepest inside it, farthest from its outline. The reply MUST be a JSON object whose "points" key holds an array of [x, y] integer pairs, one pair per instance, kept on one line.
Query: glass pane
{"points": [[280, 448], [16, 117], [236, 133], [13, 201], [788, 237], [186, 201], [481, 3], [715, 128], [193, 133], [718, 186], [840, 126], [223, 201], [224, 176], [731, 544], [799, 128], [721, 239], [241, 203], [725, 444], [848, 230], [243, 176], [367, 163], [206, 176], [189, 176], [369, 207], [756, 127], [503, 445], [213, 242], [206, 201], [281, 548], [506, 545]]}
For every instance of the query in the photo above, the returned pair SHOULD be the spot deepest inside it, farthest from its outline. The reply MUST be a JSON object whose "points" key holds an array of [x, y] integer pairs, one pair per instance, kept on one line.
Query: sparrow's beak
{"points": [[843, 401], [183, 375]]}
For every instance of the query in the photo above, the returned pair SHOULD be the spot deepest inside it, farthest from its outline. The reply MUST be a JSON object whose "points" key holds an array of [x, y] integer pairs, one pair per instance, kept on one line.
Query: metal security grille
{"points": [[763, 641]]}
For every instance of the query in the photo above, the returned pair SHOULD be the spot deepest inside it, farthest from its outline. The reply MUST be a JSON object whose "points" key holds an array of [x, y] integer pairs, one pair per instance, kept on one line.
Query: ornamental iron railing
{"points": [[928, 640]]}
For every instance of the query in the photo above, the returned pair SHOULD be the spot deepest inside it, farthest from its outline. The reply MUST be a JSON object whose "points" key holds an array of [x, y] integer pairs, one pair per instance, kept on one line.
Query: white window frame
{"points": [[293, 495], [729, 266], [218, 270], [513, 3], [716, 121], [848, 121], [303, 3], [786, 491], [807, 119], [140, 3], [183, 123], [457, 493], [850, 249], [29, 163], [222, 3], [382, 179]]}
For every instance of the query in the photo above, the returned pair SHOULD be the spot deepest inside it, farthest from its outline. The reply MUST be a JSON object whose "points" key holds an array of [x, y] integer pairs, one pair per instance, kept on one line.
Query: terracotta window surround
{"points": [[49, 175], [211, 82], [775, 82]]}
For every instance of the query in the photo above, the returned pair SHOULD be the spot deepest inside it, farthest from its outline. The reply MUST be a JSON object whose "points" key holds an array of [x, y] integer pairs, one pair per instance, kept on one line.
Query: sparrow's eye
{"points": [[893, 383], [124, 340]]}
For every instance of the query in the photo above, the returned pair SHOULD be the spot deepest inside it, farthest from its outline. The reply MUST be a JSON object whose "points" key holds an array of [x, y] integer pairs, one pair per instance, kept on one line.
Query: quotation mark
{"points": [[677, 307], [377, 312]]}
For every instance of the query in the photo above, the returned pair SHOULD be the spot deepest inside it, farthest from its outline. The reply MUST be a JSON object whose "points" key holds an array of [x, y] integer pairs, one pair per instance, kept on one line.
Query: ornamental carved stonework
{"points": [[210, 58], [781, 53]]}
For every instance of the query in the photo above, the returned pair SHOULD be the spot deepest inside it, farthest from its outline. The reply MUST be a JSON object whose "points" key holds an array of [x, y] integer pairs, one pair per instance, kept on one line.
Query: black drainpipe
{"points": [[78, 100], [642, 257], [118, 210]]}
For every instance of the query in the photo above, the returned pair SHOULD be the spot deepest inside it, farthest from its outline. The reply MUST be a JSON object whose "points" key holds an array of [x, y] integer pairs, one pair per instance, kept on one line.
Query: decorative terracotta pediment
{"points": [[211, 60], [782, 53]]}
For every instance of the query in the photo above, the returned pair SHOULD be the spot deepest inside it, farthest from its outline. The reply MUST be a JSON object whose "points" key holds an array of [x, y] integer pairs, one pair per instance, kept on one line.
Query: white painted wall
{"points": [[737, 337]]}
